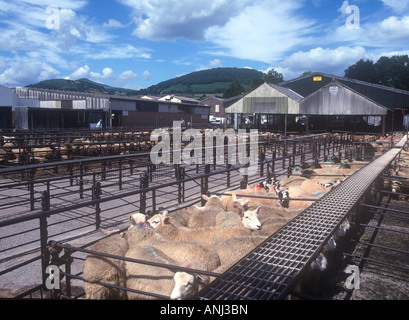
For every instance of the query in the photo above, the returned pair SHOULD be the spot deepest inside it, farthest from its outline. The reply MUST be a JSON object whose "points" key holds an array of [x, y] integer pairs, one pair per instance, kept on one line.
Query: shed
{"points": [[343, 107], [267, 99], [394, 100], [337, 99]]}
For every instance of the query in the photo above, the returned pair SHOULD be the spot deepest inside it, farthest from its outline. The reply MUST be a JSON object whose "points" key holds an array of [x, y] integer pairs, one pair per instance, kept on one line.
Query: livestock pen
{"points": [[53, 212]]}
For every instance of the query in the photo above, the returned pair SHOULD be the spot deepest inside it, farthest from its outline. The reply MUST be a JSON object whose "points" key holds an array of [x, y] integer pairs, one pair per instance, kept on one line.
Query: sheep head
{"points": [[186, 285], [250, 219], [138, 219], [158, 219], [212, 201], [239, 203], [283, 196]]}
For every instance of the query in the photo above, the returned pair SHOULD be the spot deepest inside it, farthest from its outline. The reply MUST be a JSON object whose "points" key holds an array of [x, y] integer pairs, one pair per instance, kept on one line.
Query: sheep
{"points": [[208, 218], [273, 218], [157, 280], [292, 181], [310, 283], [257, 191], [228, 219], [144, 234], [181, 216], [231, 203], [103, 269], [212, 202], [211, 235], [204, 216], [188, 284], [282, 195], [232, 250], [182, 251]]}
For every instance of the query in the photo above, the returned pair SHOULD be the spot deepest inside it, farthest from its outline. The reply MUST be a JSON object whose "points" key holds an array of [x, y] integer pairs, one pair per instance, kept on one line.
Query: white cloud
{"points": [[168, 20], [107, 73], [215, 63], [333, 61], [114, 51], [112, 23], [399, 6], [146, 75], [26, 72], [81, 72], [127, 75], [394, 28], [263, 31], [85, 72]]}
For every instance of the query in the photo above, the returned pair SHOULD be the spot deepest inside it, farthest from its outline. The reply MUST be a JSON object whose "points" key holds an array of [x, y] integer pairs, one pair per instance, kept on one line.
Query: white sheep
{"points": [[159, 280], [165, 227], [212, 202], [182, 251], [138, 233], [202, 217], [231, 203], [232, 250], [103, 269], [111, 271], [250, 192], [273, 218], [188, 284], [214, 216], [181, 216]]}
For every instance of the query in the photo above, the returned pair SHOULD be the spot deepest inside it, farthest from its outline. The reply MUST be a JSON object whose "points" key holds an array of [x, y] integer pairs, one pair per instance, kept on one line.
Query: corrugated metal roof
{"points": [[287, 91], [386, 96]]}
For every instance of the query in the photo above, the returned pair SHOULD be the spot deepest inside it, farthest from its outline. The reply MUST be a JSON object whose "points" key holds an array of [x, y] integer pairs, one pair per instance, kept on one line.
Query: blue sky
{"points": [[138, 43]]}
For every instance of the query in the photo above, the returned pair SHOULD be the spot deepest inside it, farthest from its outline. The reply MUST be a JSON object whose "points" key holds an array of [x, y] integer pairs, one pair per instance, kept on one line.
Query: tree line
{"points": [[388, 71]]}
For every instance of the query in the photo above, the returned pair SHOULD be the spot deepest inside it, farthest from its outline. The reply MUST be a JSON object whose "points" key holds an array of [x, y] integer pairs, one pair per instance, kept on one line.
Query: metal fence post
{"points": [[81, 181], [144, 183], [45, 206], [120, 174], [97, 194]]}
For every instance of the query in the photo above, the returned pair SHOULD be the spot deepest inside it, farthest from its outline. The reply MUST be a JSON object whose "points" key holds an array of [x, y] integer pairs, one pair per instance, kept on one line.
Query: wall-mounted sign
{"points": [[317, 78], [333, 90]]}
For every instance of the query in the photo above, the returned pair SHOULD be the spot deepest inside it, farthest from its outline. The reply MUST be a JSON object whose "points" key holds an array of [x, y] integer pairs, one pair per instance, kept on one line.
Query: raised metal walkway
{"points": [[271, 270]]}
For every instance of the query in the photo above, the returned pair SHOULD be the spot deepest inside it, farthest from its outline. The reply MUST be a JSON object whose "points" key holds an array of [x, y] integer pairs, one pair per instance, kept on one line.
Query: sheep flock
{"points": [[210, 238]]}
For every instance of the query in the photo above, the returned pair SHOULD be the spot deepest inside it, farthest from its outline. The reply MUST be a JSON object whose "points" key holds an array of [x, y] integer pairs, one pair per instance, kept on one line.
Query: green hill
{"points": [[212, 81], [82, 85], [203, 82]]}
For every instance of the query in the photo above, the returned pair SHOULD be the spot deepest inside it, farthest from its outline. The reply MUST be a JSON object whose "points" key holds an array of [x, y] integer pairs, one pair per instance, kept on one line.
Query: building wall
{"points": [[8, 98], [335, 99], [212, 103], [158, 120], [265, 100]]}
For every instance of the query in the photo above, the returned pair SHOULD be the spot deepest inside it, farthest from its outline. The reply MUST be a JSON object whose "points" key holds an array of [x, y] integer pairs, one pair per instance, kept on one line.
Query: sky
{"points": [[138, 43]]}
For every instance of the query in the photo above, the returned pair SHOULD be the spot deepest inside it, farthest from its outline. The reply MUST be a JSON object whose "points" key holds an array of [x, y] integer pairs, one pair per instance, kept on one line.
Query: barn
{"points": [[320, 102], [394, 100]]}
